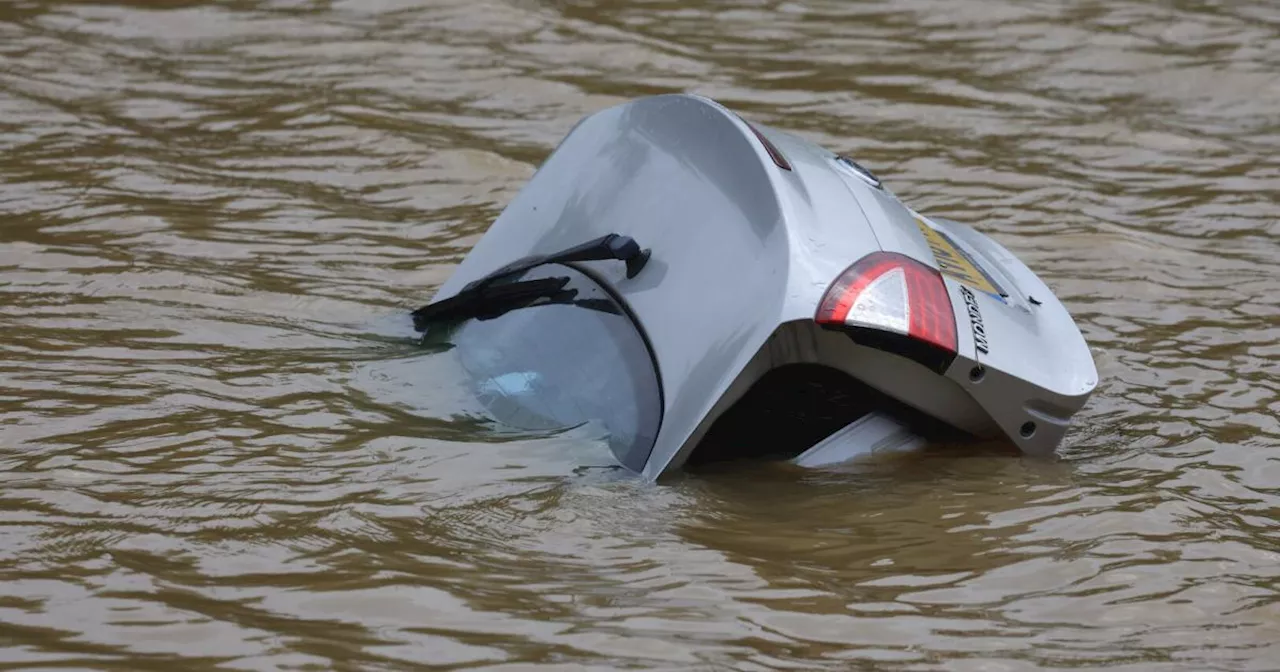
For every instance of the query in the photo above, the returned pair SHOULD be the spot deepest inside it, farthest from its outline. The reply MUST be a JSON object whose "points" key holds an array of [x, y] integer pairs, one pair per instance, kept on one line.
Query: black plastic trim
{"points": [[926, 354]]}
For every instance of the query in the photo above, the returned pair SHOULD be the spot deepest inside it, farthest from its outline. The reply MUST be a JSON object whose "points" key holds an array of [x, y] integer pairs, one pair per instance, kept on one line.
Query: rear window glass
{"points": [[559, 365]]}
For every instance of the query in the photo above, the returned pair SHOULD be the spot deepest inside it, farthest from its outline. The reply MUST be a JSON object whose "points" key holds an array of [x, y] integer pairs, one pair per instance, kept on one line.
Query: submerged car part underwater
{"points": [[682, 276]]}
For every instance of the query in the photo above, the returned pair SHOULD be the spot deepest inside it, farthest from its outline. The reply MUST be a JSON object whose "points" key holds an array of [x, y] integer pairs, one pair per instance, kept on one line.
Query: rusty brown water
{"points": [[217, 450]]}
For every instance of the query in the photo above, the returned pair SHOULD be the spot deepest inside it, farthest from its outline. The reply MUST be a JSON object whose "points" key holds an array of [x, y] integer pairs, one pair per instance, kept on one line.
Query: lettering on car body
{"points": [[975, 319]]}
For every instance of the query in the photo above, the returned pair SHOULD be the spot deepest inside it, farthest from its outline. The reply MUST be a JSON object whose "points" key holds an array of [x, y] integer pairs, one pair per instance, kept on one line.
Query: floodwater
{"points": [[218, 450]]}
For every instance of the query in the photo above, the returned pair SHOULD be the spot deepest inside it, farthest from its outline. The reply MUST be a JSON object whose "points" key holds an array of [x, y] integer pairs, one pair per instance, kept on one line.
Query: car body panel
{"points": [[687, 180], [1036, 365]]}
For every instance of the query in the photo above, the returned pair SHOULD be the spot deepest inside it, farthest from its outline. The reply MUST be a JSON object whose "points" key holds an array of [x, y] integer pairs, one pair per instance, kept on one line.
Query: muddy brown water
{"points": [[217, 451]]}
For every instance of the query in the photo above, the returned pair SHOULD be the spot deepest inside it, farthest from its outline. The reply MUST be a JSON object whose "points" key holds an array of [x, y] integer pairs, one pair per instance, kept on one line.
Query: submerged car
{"points": [[710, 289]]}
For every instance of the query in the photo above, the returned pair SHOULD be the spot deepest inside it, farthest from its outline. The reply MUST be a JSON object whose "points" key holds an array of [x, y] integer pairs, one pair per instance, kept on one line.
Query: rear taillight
{"points": [[893, 302]]}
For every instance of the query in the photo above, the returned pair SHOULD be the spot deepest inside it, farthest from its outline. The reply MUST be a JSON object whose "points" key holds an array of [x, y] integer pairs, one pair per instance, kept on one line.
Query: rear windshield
{"points": [[559, 365]]}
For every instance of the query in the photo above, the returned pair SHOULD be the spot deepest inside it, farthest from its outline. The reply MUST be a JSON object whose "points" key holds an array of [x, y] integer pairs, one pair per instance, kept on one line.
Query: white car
{"points": [[712, 289]]}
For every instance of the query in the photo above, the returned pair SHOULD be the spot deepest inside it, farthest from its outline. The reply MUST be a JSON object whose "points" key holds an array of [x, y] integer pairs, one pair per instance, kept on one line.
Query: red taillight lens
{"points": [[895, 293]]}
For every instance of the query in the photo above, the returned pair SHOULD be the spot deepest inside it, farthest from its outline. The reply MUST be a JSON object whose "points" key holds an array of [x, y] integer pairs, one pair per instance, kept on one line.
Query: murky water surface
{"points": [[217, 449]]}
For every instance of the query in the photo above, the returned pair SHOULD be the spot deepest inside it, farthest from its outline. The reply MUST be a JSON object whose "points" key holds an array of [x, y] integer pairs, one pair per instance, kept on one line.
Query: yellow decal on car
{"points": [[954, 263]]}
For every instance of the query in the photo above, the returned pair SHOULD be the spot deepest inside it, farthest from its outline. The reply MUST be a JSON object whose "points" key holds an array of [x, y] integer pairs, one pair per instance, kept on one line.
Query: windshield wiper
{"points": [[490, 296], [489, 301], [610, 246]]}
